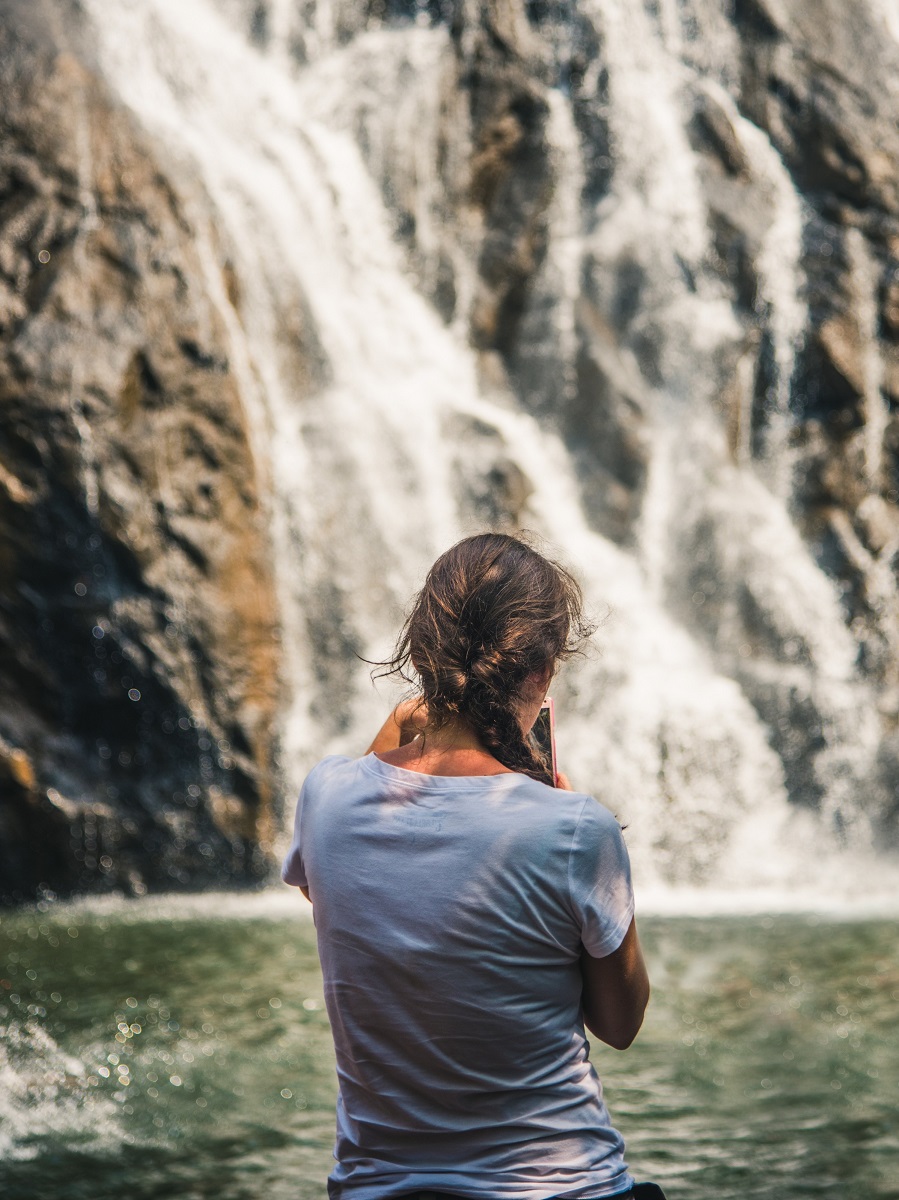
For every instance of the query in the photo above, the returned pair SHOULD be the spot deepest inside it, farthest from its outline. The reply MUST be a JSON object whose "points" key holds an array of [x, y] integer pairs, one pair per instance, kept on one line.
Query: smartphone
{"points": [[544, 734]]}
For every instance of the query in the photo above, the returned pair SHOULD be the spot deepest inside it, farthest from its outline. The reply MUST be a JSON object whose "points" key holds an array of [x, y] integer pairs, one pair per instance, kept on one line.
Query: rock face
{"points": [[822, 86], [667, 234], [138, 631]]}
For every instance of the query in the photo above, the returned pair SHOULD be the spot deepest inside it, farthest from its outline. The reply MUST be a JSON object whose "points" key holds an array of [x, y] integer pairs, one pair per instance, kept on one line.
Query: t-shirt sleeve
{"points": [[292, 869], [599, 880]]}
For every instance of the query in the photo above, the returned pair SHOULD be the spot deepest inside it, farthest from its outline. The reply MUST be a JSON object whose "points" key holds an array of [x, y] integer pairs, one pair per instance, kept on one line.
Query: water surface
{"points": [[181, 1048]]}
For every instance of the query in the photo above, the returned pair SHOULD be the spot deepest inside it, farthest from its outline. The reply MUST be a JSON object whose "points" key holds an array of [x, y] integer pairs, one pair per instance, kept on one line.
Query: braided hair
{"points": [[492, 612]]}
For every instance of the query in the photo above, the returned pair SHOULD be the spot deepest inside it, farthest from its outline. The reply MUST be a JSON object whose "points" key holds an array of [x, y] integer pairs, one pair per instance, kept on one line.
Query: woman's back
{"points": [[451, 913]]}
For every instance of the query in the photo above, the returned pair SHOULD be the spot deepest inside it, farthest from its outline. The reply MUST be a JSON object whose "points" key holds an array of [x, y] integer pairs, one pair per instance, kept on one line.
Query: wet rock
{"points": [[606, 427], [510, 185], [491, 488], [831, 376], [818, 80], [138, 635], [711, 129]]}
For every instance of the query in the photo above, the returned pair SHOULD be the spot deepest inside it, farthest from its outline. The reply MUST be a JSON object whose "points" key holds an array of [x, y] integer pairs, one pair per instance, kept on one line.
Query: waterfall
{"points": [[381, 431]]}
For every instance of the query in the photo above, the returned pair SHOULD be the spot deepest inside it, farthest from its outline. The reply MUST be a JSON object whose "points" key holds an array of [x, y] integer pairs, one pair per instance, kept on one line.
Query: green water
{"points": [[182, 1050]]}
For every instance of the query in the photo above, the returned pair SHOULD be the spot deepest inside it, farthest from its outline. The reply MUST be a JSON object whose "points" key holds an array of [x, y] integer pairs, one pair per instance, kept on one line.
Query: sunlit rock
{"points": [[139, 629]]}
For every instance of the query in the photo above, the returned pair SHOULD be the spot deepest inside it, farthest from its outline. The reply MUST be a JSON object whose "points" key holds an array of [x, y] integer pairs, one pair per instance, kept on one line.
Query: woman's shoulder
{"points": [[326, 767], [578, 812], [590, 824], [596, 814]]}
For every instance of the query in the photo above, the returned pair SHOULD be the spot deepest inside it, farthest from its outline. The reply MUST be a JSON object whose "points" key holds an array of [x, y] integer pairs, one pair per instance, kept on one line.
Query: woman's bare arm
{"points": [[616, 992], [406, 721]]}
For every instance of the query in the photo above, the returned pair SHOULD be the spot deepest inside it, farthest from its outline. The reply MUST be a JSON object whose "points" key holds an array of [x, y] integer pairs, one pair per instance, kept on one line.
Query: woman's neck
{"points": [[454, 749]]}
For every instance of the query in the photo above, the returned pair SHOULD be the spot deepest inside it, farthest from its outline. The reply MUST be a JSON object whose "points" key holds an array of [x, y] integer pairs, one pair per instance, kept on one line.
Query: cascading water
{"points": [[379, 429]]}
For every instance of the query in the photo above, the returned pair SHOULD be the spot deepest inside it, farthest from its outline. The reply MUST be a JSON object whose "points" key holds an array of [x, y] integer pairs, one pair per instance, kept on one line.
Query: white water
{"points": [[366, 409], [42, 1088]]}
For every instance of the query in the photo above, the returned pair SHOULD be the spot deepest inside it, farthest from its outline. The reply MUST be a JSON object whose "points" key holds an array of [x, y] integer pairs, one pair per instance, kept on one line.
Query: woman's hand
{"points": [[563, 782], [403, 725]]}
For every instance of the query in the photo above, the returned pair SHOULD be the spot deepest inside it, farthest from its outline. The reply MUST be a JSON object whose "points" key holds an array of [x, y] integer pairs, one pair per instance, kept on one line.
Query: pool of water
{"points": [[180, 1048]]}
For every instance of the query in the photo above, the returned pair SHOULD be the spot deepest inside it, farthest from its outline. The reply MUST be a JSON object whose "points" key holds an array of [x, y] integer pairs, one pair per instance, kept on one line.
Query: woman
{"points": [[471, 917]]}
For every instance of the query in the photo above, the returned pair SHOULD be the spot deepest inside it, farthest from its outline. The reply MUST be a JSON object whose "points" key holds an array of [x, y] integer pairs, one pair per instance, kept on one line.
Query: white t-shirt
{"points": [[450, 912]]}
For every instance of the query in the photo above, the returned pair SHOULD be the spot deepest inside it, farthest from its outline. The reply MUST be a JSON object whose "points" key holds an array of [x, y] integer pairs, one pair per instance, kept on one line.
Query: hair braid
{"points": [[498, 728]]}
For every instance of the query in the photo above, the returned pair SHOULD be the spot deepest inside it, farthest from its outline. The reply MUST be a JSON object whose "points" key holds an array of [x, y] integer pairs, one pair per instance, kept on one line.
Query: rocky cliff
{"points": [[667, 234], [138, 629]]}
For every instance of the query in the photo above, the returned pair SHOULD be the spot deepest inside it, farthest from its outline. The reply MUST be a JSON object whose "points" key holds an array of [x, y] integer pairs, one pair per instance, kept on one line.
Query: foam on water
{"points": [[271, 902], [44, 1091], [828, 885]]}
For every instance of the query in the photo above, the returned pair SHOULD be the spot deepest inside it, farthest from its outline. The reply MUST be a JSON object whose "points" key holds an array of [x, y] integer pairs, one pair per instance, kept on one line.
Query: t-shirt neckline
{"points": [[458, 783]]}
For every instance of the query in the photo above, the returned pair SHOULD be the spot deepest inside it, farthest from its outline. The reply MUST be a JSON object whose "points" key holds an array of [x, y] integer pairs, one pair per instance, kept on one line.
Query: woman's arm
{"points": [[404, 724], [616, 992]]}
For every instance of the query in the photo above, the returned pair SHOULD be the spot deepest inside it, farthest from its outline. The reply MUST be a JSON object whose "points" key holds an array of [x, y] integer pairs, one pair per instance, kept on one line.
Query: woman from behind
{"points": [[473, 913]]}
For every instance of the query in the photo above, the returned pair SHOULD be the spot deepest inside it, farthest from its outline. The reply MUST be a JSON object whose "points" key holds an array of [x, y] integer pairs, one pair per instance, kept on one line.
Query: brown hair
{"points": [[492, 612]]}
